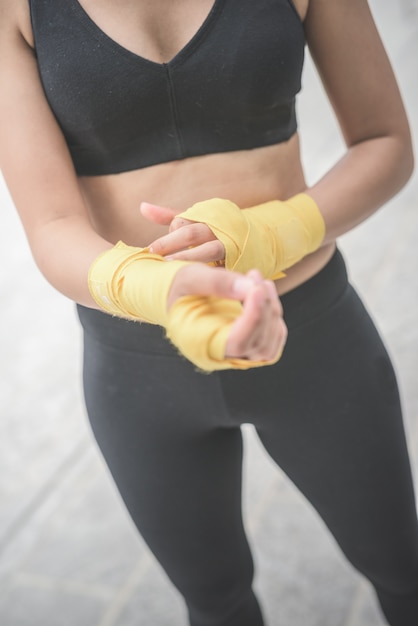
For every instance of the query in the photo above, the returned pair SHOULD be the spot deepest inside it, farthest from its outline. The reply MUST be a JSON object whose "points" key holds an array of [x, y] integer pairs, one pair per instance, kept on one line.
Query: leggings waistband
{"points": [[316, 295]]}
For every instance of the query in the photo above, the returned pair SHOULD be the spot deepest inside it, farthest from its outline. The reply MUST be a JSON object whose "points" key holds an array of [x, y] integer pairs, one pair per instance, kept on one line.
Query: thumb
{"points": [[158, 214], [200, 279]]}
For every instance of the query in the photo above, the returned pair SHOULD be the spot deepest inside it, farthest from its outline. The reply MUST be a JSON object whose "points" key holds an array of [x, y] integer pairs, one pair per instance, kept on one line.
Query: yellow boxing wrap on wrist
{"points": [[122, 287], [271, 236], [131, 282]]}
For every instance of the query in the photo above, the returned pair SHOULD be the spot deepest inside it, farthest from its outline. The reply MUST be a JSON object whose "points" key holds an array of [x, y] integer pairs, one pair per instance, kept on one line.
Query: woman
{"points": [[174, 104]]}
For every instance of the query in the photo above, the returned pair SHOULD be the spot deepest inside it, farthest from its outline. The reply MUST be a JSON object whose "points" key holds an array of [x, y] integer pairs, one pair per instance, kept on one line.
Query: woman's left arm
{"points": [[361, 86]]}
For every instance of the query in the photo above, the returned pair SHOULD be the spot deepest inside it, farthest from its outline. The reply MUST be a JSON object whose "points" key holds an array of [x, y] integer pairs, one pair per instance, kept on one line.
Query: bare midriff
{"points": [[247, 178]]}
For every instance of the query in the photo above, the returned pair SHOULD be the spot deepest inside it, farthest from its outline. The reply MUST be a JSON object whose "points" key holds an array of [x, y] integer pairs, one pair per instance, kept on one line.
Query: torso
{"points": [[246, 177]]}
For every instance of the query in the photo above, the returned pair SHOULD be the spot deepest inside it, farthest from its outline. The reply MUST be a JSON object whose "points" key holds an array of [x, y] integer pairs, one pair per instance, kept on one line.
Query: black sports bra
{"points": [[232, 87]]}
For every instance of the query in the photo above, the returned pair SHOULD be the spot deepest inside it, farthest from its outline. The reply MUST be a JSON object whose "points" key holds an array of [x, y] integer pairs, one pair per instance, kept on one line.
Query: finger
{"points": [[203, 280], [276, 341], [258, 350], [244, 333], [182, 239], [276, 304], [273, 331], [262, 338], [260, 333], [271, 337], [179, 222], [157, 214], [208, 252], [271, 291], [261, 341]]}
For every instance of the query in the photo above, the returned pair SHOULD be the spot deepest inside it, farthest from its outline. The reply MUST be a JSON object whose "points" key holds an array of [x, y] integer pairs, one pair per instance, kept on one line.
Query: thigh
{"points": [[334, 424], [157, 422]]}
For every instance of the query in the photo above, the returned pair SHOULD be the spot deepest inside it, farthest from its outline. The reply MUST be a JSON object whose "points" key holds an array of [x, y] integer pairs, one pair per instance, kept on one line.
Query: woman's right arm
{"points": [[40, 176], [38, 170]]}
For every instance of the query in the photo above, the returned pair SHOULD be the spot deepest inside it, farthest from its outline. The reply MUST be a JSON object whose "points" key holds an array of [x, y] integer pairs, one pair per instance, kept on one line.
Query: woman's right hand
{"points": [[186, 240], [260, 333]]}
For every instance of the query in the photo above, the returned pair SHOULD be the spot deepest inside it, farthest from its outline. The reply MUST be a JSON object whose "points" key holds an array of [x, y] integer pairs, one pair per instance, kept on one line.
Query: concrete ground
{"points": [[69, 555]]}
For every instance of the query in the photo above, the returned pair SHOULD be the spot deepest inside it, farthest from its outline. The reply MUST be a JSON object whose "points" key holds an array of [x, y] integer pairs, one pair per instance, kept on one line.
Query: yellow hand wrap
{"points": [[139, 291], [270, 237], [133, 283], [199, 328]]}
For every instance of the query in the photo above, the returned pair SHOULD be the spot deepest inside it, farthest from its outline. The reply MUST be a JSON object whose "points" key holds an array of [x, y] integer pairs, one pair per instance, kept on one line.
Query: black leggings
{"points": [[328, 413]]}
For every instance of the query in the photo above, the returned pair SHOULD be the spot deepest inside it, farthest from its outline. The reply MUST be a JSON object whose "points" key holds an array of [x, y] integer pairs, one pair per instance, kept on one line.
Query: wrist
{"points": [[288, 230], [133, 283]]}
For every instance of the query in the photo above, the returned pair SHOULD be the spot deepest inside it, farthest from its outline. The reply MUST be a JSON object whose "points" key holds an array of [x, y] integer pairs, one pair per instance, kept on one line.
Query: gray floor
{"points": [[68, 552]]}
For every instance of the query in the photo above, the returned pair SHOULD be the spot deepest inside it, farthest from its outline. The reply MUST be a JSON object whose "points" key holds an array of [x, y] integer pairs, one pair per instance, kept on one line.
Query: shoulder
{"points": [[15, 20]]}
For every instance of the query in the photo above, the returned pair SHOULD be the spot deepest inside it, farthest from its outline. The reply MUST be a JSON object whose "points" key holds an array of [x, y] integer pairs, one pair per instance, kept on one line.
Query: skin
{"points": [[69, 221]]}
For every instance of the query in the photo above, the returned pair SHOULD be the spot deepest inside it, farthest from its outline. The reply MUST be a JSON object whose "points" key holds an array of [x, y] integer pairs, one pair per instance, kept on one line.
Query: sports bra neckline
{"points": [[183, 53], [231, 87]]}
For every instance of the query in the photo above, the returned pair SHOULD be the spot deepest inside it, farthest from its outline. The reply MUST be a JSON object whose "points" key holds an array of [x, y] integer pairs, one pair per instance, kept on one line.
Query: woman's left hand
{"points": [[188, 241]]}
